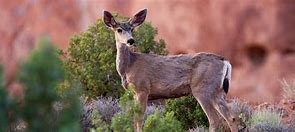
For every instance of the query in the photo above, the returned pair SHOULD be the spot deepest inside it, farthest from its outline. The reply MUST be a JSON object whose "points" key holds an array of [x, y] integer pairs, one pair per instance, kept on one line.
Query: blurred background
{"points": [[258, 37]]}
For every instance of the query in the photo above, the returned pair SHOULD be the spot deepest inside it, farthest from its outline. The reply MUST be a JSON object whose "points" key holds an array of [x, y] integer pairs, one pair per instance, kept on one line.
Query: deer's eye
{"points": [[119, 30], [132, 29]]}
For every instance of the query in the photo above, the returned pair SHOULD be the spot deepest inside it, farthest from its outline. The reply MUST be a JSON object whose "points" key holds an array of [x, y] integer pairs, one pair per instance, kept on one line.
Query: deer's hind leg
{"points": [[222, 108], [208, 108]]}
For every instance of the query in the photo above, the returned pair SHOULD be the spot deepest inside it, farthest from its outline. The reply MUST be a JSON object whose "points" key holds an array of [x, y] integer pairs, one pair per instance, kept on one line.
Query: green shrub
{"points": [[129, 112], [43, 109], [124, 120], [121, 122], [130, 109], [40, 75], [68, 117], [98, 113], [8, 107], [1, 78], [91, 57], [99, 123], [187, 111], [158, 123]]}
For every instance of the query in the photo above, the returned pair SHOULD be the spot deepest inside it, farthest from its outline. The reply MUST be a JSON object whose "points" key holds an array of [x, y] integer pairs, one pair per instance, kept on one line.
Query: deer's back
{"points": [[167, 76]]}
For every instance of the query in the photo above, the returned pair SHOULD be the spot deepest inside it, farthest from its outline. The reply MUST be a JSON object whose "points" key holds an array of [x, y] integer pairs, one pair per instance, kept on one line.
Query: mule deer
{"points": [[204, 75]]}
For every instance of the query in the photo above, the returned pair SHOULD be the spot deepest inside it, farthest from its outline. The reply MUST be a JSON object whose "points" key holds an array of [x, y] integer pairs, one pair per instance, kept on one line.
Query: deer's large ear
{"points": [[109, 20], [138, 18]]}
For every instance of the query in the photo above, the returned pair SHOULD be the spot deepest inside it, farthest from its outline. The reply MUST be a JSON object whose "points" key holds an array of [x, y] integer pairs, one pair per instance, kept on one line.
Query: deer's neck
{"points": [[124, 59]]}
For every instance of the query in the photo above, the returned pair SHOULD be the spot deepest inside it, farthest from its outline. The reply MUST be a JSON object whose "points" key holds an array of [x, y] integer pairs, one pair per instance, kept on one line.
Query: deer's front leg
{"points": [[142, 98], [124, 82]]}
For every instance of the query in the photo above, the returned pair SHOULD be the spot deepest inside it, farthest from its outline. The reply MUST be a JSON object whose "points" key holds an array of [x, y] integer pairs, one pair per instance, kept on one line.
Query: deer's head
{"points": [[123, 30]]}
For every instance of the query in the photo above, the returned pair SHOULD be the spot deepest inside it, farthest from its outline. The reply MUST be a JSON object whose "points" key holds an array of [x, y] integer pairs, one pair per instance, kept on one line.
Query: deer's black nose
{"points": [[130, 41]]}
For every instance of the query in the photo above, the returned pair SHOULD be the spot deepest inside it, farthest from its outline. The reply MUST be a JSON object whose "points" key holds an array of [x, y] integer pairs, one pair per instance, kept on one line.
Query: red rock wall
{"points": [[22, 23], [257, 36]]}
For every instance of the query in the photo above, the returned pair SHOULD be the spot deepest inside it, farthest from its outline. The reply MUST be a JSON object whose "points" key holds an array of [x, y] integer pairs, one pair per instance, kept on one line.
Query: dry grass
{"points": [[243, 110], [268, 120], [288, 89], [292, 122], [266, 116], [259, 120]]}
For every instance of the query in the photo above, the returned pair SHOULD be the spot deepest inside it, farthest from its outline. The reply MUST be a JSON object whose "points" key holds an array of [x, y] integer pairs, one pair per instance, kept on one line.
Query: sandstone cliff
{"points": [[257, 36]]}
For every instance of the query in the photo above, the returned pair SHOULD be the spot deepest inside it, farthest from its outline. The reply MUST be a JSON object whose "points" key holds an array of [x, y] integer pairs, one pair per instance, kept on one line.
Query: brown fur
{"points": [[169, 76]]}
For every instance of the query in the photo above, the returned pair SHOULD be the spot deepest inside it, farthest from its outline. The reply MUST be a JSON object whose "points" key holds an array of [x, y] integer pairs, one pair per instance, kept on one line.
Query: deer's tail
{"points": [[227, 69]]}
